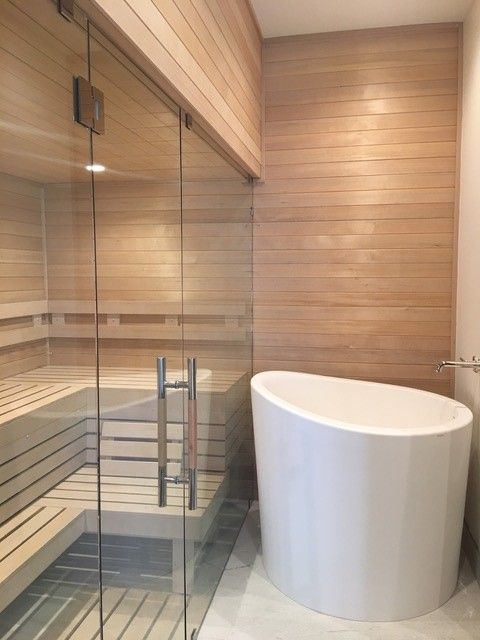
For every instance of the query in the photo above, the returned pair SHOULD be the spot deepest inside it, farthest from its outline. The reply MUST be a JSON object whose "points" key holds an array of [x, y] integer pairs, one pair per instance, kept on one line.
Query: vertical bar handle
{"points": [[192, 434], [162, 430]]}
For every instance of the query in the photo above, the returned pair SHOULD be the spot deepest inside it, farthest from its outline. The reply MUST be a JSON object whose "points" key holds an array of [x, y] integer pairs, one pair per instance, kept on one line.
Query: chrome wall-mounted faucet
{"points": [[474, 364]]}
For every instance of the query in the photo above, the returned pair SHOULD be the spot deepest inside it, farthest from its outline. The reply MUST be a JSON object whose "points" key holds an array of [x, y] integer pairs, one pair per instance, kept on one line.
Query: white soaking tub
{"points": [[362, 493]]}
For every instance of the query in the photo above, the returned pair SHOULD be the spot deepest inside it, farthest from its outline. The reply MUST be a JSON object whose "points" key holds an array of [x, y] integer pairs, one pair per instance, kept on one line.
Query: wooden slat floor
{"points": [[63, 604], [70, 507]]}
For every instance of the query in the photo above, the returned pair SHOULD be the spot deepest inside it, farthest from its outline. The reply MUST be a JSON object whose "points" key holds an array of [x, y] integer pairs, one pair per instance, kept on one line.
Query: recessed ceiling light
{"points": [[96, 168]]}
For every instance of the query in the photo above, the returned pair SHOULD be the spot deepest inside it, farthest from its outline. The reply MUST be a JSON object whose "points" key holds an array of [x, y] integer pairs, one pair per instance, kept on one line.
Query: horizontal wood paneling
{"points": [[140, 272], [173, 258], [205, 54], [355, 222], [40, 140], [217, 269], [23, 328]]}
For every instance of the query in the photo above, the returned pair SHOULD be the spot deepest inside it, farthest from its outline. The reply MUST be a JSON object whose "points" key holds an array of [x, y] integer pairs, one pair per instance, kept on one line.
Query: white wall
{"points": [[468, 298]]}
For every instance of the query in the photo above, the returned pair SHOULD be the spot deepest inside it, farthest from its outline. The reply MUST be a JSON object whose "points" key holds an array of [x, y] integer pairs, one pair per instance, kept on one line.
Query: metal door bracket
{"points": [[88, 105], [188, 120], [65, 9]]}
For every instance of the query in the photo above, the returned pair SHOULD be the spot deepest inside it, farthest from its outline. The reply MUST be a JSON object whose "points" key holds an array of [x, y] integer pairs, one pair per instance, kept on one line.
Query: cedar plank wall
{"points": [[205, 54], [217, 256], [139, 269], [354, 225], [70, 273], [23, 343]]}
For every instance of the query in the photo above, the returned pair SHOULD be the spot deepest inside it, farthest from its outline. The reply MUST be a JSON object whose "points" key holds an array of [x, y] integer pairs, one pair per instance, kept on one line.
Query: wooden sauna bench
{"points": [[48, 486]]}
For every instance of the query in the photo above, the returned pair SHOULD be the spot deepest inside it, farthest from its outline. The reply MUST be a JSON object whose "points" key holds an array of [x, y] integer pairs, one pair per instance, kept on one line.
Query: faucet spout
{"points": [[474, 364]]}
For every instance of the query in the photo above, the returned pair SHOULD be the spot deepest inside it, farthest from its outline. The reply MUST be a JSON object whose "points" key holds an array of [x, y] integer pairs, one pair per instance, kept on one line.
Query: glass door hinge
{"points": [[88, 105]]}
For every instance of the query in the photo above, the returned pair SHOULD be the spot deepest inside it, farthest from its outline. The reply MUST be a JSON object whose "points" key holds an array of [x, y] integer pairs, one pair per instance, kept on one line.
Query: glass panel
{"points": [[138, 239], [217, 285], [48, 555]]}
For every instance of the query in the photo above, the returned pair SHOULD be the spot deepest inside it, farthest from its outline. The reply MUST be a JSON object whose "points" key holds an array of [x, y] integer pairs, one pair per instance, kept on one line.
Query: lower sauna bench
{"points": [[32, 539], [48, 489], [130, 505]]}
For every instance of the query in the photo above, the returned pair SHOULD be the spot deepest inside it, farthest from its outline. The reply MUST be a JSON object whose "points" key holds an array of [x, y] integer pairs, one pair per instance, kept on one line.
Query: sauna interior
{"points": [[192, 192], [99, 279]]}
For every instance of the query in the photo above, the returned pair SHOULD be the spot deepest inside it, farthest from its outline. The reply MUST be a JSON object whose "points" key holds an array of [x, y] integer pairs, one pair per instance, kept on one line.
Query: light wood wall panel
{"points": [[354, 224], [217, 261], [142, 312], [40, 142], [69, 248], [138, 267], [205, 54], [139, 237], [23, 328]]}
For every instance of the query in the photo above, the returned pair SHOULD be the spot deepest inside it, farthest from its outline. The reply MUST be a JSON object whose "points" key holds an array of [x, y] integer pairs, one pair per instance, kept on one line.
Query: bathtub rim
{"points": [[461, 420]]}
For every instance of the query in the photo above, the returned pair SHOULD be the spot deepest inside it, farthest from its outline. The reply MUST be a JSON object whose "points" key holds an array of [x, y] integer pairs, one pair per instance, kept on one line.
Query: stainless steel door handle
{"points": [[162, 430], [192, 434], [162, 386]]}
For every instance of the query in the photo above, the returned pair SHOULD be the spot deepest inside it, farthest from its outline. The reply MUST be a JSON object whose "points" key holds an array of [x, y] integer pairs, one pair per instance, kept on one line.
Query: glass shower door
{"points": [[48, 551], [136, 169], [217, 328]]}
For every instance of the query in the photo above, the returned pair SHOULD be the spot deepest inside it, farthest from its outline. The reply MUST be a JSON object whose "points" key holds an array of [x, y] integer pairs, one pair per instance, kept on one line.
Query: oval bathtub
{"points": [[362, 492]]}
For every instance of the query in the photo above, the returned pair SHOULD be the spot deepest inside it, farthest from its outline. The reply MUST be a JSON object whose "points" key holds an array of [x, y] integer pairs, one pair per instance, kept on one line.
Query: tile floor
{"points": [[247, 606]]}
